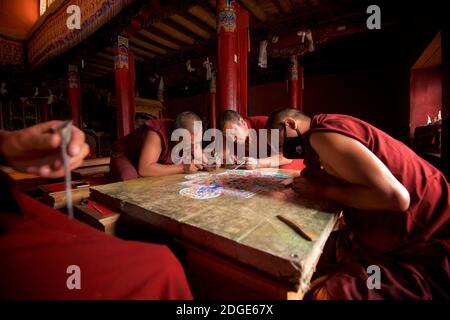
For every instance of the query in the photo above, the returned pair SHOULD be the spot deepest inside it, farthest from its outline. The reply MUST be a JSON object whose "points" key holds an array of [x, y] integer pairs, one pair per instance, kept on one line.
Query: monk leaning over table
{"points": [[396, 208], [238, 128], [146, 152]]}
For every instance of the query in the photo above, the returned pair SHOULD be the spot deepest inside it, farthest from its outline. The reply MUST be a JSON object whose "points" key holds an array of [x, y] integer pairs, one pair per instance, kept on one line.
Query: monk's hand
{"points": [[307, 188], [37, 150], [230, 159], [250, 163], [306, 173], [210, 161], [190, 168]]}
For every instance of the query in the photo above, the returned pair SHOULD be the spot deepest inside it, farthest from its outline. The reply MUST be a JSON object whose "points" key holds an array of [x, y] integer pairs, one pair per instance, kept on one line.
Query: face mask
{"points": [[293, 148]]}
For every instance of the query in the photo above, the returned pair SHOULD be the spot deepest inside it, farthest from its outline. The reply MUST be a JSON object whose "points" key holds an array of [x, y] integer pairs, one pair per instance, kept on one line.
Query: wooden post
{"points": [[124, 88], [227, 55], [45, 108], [243, 19], [74, 95]]}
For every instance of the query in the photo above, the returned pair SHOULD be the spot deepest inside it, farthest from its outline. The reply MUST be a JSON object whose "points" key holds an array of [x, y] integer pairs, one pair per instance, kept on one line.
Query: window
{"points": [[45, 4]]}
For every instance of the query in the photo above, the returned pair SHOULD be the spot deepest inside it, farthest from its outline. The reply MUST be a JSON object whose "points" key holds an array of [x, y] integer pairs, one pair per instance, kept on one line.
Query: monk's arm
{"points": [[148, 162], [371, 186], [273, 161]]}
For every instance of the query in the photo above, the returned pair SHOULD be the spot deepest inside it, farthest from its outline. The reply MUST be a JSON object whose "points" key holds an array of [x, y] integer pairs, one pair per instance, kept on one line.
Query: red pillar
{"points": [[295, 84], [124, 88], [227, 55], [212, 101], [132, 84], [243, 19], [74, 95]]}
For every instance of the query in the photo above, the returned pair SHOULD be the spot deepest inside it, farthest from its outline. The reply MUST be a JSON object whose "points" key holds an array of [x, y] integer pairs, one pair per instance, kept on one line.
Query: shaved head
{"points": [[229, 116], [277, 118], [234, 125], [186, 120]]}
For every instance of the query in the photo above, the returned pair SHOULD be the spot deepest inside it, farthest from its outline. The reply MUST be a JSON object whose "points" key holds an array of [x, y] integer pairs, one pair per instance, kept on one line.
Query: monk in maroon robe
{"points": [[233, 124], [146, 151], [396, 209], [39, 245]]}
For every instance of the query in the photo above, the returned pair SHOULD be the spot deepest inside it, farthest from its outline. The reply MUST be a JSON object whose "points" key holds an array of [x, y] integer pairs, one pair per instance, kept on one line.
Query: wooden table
{"points": [[22, 181], [238, 239], [92, 167], [26, 181]]}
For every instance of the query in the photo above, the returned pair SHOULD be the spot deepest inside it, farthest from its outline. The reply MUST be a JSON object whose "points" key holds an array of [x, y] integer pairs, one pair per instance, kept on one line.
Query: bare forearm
{"points": [[273, 161], [361, 197], [158, 170]]}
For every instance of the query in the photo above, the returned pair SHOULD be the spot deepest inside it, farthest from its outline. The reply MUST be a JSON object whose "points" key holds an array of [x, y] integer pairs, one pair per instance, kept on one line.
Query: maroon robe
{"points": [[39, 243], [411, 248], [127, 151], [259, 122]]}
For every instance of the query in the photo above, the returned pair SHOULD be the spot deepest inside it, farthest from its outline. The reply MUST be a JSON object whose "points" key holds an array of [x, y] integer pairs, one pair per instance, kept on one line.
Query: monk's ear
{"points": [[290, 123], [243, 123]]}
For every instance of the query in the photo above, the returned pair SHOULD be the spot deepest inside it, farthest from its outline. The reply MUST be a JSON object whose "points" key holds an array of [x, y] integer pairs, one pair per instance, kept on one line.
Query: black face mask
{"points": [[293, 148]]}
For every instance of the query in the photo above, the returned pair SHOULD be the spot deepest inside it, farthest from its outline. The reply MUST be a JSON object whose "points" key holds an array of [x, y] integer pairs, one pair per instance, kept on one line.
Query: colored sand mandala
{"points": [[201, 193], [240, 183]]}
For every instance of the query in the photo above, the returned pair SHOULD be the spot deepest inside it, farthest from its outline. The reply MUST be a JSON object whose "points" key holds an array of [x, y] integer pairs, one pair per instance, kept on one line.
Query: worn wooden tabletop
{"points": [[244, 229]]}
